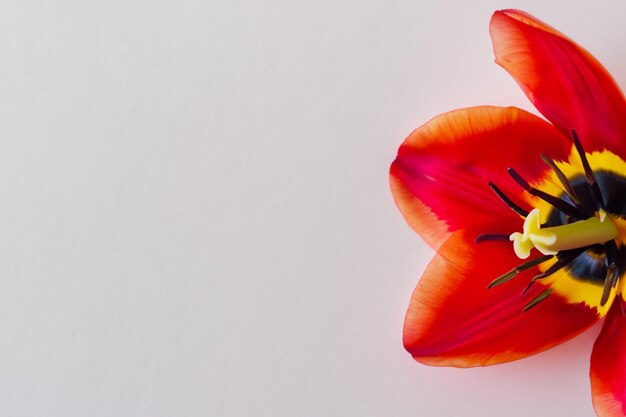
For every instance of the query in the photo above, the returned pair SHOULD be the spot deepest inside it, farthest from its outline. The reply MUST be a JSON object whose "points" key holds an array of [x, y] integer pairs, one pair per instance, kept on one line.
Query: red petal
{"points": [[454, 320], [566, 84], [608, 365], [440, 177]]}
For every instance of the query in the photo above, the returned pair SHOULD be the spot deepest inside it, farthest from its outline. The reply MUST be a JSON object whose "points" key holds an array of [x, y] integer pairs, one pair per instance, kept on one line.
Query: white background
{"points": [[195, 217]]}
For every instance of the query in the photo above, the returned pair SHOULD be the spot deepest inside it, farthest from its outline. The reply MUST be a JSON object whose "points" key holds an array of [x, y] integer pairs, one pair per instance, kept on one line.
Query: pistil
{"points": [[551, 240]]}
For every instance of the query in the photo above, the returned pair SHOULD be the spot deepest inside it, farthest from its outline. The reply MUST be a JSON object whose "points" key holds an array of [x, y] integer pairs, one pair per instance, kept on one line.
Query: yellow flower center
{"points": [[594, 276], [578, 224]]}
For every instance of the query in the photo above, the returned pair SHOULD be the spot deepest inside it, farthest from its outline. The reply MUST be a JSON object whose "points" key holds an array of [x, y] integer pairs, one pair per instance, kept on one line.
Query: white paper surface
{"points": [[195, 217]]}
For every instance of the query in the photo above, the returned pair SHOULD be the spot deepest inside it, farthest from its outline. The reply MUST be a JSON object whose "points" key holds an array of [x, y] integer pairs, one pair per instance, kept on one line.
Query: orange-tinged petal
{"points": [[608, 365], [441, 174], [454, 320], [566, 83]]}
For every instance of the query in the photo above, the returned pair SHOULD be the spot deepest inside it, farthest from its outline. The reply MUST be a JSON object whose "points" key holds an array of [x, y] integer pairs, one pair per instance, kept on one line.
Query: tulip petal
{"points": [[564, 81], [608, 365], [441, 174], [454, 320]]}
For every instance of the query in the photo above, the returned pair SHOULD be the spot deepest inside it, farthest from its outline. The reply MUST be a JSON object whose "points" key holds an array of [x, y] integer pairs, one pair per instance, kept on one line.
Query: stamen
{"points": [[591, 179], [520, 268], [537, 299], [556, 202], [610, 250], [609, 282], [562, 178], [508, 201], [612, 276], [486, 237], [564, 259]]}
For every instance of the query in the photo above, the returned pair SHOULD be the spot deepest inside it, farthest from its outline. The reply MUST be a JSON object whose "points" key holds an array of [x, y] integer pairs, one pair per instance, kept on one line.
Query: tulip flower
{"points": [[527, 216]]}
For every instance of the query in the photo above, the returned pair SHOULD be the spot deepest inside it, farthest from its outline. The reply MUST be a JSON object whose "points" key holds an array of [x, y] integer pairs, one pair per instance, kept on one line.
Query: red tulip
{"points": [[528, 218]]}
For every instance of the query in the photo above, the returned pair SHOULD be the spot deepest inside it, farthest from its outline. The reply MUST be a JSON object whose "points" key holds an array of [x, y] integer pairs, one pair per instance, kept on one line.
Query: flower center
{"points": [[578, 224]]}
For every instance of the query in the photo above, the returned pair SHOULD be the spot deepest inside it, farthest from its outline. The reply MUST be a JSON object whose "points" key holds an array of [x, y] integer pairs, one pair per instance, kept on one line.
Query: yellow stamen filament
{"points": [[551, 240]]}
